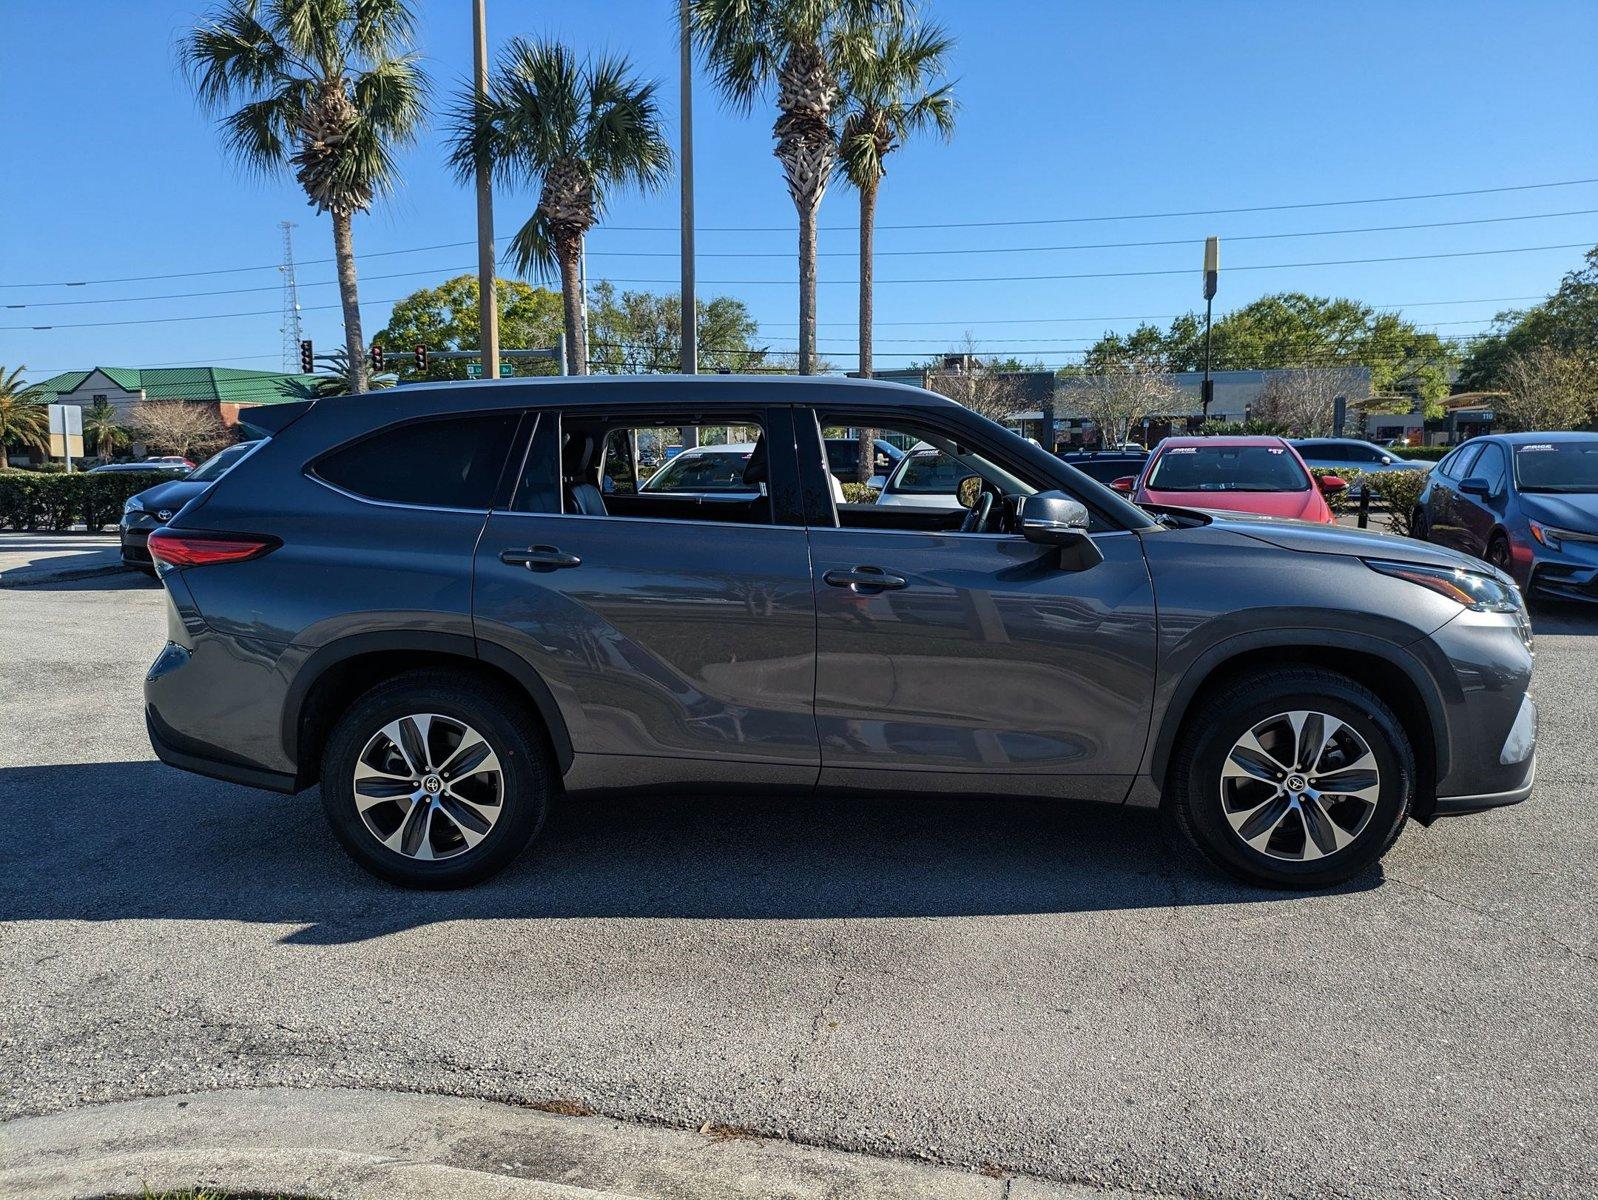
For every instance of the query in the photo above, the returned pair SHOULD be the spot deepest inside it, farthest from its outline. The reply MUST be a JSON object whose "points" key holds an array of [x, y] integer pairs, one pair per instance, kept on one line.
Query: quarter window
{"points": [[1491, 467], [449, 462]]}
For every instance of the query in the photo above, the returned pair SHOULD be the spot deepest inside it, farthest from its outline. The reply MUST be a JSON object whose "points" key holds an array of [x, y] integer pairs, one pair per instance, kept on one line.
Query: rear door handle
{"points": [[866, 579], [535, 557]]}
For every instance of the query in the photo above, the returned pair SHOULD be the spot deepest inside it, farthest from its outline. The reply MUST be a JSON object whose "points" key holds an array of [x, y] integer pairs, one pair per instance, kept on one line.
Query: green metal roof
{"points": [[227, 385]]}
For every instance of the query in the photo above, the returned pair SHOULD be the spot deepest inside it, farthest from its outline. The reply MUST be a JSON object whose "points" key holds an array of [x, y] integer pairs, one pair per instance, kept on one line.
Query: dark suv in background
{"points": [[426, 600]]}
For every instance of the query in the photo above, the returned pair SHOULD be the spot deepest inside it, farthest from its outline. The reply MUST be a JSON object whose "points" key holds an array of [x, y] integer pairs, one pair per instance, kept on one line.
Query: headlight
{"points": [[1553, 538], [132, 506], [1479, 593]]}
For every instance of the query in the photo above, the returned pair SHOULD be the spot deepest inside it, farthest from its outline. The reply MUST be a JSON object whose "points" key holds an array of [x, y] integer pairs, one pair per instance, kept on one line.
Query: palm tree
{"points": [[328, 87], [892, 90], [335, 381], [102, 425], [23, 420], [796, 45], [577, 130]]}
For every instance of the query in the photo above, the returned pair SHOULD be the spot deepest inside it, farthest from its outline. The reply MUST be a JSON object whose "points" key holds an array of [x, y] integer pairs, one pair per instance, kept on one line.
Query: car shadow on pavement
{"points": [[138, 840]]}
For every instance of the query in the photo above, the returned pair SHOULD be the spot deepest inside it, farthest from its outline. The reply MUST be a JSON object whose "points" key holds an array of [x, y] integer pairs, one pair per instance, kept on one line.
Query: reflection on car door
{"points": [[979, 657], [1479, 515], [673, 648], [1443, 509]]}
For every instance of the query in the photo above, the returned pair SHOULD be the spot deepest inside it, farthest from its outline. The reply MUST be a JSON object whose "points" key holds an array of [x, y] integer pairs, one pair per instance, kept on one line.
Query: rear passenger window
{"points": [[448, 462]]}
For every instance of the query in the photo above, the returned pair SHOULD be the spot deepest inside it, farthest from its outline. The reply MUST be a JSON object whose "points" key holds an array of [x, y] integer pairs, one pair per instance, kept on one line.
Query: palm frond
{"points": [[532, 250], [259, 134], [737, 40], [391, 95], [232, 53], [379, 25]]}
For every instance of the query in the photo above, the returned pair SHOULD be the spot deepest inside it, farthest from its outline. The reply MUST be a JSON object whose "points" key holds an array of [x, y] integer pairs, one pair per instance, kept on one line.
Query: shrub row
{"points": [[34, 500], [1428, 453]]}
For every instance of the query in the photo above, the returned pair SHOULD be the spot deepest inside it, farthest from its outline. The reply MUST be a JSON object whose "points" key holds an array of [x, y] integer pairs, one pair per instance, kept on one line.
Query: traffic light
{"points": [[421, 358], [377, 357], [307, 359]]}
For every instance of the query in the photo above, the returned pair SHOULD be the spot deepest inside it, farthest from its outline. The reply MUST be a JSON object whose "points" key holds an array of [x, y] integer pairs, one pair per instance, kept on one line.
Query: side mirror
{"points": [[1475, 486], [1387, 460], [968, 491], [877, 482], [1125, 484], [1055, 519], [1332, 484]]}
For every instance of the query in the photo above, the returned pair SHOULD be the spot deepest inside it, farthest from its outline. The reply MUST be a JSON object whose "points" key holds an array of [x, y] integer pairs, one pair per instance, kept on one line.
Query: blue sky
{"points": [[1068, 110]]}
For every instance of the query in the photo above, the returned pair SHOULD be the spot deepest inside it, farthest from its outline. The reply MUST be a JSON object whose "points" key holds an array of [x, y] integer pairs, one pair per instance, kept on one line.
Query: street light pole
{"points": [[685, 92], [1212, 272], [487, 293]]}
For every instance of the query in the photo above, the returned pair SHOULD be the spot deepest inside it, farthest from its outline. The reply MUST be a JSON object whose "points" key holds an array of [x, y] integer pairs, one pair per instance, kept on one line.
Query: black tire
{"points": [[1194, 782], [1497, 553], [504, 721], [1419, 527]]}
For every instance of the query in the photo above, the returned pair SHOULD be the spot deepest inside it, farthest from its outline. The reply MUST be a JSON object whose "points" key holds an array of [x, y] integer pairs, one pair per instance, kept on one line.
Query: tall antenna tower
{"points": [[291, 302]]}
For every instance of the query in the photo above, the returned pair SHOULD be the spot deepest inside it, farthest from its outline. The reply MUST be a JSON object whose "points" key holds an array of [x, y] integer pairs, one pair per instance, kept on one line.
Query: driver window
{"points": [[921, 479]]}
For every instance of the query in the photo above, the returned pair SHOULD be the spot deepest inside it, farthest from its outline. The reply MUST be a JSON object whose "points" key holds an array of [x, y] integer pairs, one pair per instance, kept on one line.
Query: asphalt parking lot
{"points": [[1058, 991]]}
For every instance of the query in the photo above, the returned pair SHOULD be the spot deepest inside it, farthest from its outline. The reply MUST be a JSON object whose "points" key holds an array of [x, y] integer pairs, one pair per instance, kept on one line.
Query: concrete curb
{"points": [[345, 1144]]}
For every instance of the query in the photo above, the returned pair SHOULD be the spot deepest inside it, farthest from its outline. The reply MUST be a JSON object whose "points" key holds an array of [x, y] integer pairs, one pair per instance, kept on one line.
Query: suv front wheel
{"points": [[431, 782], [1299, 778]]}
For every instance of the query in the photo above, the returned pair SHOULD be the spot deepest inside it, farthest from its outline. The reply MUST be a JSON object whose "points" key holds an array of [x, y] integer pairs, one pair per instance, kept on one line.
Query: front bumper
{"points": [[1519, 750], [135, 531]]}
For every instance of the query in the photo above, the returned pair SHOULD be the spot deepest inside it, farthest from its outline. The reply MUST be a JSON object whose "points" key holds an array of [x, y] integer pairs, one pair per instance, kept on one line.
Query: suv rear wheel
{"points": [[1296, 779], [433, 782]]}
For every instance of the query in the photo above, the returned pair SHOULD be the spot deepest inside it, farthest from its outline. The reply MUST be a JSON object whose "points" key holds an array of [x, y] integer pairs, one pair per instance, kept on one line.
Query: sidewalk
{"points": [[30, 559], [365, 1145]]}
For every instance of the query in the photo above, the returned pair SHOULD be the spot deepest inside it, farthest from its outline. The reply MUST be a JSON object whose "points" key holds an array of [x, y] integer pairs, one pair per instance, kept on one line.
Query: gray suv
{"points": [[449, 604]]}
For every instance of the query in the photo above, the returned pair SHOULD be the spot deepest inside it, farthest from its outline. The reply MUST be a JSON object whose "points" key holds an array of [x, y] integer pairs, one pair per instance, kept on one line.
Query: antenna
{"points": [[291, 301]]}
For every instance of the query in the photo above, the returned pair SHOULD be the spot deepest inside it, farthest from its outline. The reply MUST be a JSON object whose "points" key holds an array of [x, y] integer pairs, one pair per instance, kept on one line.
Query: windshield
{"points": [[217, 465], [1557, 466], [927, 471], [1228, 469], [712, 471]]}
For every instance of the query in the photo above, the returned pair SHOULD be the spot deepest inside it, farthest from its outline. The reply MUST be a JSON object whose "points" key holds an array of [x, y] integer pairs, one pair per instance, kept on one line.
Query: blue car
{"points": [[1525, 502]]}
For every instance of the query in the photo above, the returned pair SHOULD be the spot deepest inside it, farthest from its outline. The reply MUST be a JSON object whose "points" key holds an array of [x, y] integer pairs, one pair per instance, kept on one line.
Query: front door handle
{"points": [[535, 557], [863, 579]]}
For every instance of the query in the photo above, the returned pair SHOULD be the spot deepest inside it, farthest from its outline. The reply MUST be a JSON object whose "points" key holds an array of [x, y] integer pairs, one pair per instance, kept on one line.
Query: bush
{"points": [[1421, 453], [1400, 491], [859, 493], [30, 500]]}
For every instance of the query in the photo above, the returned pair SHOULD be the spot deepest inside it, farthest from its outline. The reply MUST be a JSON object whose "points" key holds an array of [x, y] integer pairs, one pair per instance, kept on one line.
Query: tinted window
{"points": [[1107, 470], [1491, 467], [1466, 461], [705, 471], [452, 462], [1361, 453], [1228, 469], [929, 472], [1324, 451], [217, 465], [538, 490], [1557, 466]]}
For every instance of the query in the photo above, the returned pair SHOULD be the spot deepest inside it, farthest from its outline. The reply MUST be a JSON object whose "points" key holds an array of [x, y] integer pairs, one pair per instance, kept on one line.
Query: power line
{"points": [[1341, 262], [1203, 212]]}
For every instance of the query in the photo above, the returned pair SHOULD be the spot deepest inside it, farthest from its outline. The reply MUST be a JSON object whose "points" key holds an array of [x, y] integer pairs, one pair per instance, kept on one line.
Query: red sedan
{"points": [[1261, 475]]}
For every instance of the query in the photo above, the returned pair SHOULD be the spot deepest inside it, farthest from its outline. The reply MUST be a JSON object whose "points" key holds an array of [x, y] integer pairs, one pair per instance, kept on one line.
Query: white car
{"points": [[928, 477], [713, 473]]}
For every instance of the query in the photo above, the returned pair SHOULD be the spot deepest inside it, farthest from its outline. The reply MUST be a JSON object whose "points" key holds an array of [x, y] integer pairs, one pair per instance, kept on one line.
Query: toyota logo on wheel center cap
{"points": [[1296, 783], [432, 785]]}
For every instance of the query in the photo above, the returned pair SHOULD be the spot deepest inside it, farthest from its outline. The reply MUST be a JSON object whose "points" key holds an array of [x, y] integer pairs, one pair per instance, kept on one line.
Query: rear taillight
{"points": [[180, 549]]}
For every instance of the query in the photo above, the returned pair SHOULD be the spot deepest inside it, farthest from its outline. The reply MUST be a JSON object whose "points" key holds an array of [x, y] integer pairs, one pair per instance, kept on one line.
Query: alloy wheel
{"points": [[1299, 786], [428, 787]]}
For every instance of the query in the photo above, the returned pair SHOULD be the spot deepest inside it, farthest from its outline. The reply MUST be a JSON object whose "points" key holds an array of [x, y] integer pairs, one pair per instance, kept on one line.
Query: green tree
{"points": [[796, 49], [892, 89], [445, 318], [24, 421], [576, 130], [1291, 330], [638, 333], [1567, 322], [102, 427], [327, 87]]}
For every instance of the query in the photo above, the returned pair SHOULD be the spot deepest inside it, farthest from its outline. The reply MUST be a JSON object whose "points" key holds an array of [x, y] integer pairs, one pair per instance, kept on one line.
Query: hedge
{"points": [[35, 500], [1428, 453]]}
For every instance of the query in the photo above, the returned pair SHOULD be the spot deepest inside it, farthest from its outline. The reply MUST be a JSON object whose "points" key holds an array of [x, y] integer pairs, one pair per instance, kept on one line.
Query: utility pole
{"points": [[685, 93], [1212, 274], [487, 293]]}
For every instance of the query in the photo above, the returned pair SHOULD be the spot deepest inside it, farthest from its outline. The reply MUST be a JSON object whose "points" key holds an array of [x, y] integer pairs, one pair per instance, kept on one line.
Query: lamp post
{"points": [[1212, 272], [487, 293]]}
